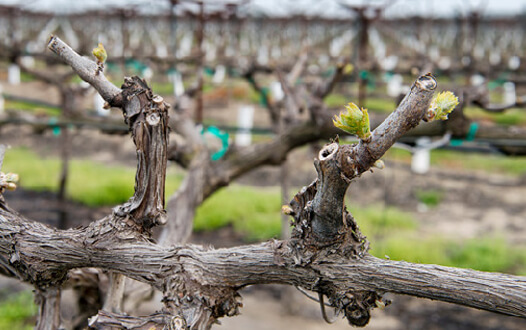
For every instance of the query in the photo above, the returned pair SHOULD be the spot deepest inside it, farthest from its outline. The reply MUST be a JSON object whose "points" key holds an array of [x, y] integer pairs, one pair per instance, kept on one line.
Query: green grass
{"points": [[458, 160], [335, 100], [162, 88], [26, 77], [442, 80], [35, 173], [31, 107], [252, 212], [90, 183], [473, 161], [513, 116], [492, 254], [240, 90], [377, 221], [486, 253], [429, 197], [96, 184], [252, 96], [393, 233], [17, 311], [410, 247], [380, 105], [510, 118]]}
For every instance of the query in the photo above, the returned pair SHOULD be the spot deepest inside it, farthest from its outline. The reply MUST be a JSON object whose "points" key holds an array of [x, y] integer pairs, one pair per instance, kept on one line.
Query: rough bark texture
{"points": [[157, 321], [147, 116], [328, 203], [326, 252], [42, 255], [48, 301]]}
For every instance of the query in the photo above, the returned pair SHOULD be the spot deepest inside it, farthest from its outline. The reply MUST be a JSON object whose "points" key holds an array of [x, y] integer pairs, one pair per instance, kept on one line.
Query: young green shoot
{"points": [[441, 106], [354, 121], [101, 55]]}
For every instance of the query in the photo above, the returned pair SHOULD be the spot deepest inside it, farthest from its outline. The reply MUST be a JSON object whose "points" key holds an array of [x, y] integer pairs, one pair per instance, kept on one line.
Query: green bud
{"points": [[441, 106], [11, 177], [100, 53], [354, 121]]}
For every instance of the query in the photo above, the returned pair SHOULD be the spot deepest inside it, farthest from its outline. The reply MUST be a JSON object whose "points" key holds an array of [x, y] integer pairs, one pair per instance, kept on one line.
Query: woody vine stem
{"points": [[327, 252]]}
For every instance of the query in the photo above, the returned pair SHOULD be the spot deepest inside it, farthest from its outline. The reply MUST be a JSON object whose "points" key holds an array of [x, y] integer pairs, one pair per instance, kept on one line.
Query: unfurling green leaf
{"points": [[442, 105], [100, 53], [354, 121], [348, 68]]}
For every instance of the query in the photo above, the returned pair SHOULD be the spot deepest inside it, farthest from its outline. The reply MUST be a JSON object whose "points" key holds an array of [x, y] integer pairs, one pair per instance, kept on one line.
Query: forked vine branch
{"points": [[327, 252]]}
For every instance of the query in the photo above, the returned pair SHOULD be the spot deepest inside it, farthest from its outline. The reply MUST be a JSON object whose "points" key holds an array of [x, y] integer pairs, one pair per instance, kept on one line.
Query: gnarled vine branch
{"points": [[326, 253]]}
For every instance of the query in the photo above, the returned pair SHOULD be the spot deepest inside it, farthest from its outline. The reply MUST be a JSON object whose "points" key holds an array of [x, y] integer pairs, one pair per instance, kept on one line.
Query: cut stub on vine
{"points": [[147, 116], [320, 219]]}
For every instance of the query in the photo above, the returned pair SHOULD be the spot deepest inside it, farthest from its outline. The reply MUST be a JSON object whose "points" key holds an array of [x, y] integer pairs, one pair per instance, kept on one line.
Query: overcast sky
{"points": [[311, 7]]}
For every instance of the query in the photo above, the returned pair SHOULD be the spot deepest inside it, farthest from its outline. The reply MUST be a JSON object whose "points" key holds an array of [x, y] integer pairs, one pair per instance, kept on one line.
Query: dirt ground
{"points": [[474, 204]]}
